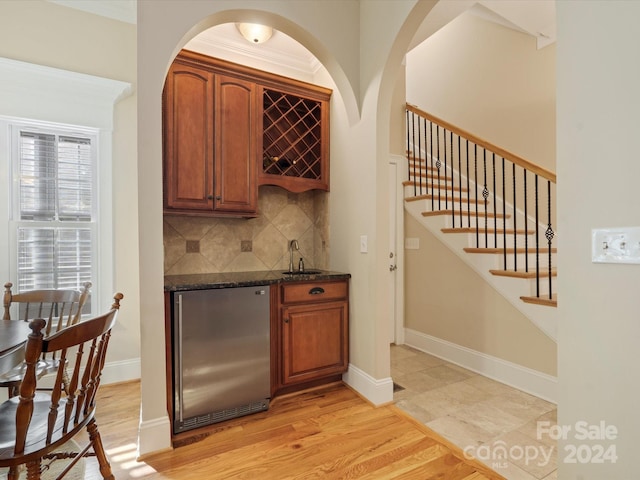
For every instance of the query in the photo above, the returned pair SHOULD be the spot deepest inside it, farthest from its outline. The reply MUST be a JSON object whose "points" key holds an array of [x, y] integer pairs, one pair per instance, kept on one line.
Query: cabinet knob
{"points": [[209, 197], [286, 320]]}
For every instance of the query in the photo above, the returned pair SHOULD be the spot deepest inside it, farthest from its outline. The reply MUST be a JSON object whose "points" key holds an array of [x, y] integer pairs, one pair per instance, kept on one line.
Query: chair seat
{"points": [[37, 435]]}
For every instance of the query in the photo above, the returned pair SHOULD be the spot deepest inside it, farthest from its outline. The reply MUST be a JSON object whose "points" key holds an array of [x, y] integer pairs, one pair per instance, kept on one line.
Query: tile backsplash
{"points": [[213, 245]]}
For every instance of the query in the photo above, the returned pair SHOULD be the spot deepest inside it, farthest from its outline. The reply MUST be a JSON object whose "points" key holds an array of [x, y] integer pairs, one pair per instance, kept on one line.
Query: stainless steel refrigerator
{"points": [[221, 358]]}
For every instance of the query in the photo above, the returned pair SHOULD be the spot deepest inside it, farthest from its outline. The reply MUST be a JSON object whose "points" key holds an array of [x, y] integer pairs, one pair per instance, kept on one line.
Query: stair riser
{"points": [[519, 261]]}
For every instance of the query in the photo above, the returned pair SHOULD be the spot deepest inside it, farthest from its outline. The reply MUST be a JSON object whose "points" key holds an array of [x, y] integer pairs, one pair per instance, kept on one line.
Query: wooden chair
{"points": [[36, 423], [60, 308]]}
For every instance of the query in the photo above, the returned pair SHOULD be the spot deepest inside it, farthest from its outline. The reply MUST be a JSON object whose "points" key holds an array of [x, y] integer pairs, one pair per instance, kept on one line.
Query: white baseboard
{"points": [[154, 436], [375, 391], [531, 381], [121, 371]]}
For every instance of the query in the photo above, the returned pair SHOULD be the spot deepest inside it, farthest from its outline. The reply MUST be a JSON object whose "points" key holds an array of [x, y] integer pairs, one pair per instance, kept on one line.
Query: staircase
{"points": [[490, 207]]}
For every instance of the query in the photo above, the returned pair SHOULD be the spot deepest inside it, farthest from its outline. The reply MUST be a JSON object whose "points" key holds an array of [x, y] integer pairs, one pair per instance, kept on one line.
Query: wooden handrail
{"points": [[531, 167]]}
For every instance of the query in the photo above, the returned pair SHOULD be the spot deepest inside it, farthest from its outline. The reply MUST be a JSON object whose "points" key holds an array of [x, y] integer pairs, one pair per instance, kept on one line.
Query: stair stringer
{"points": [[511, 289]]}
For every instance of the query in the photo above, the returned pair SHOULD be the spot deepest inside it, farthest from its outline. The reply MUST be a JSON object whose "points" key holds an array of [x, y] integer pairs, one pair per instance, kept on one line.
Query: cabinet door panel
{"points": [[236, 134], [189, 138], [315, 341]]}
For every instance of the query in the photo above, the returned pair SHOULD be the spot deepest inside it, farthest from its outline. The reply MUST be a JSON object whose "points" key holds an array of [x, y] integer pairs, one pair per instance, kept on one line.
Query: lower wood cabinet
{"points": [[310, 334]]}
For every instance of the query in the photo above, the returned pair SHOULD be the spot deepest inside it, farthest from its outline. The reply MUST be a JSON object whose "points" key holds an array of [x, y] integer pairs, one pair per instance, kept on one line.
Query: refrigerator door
{"points": [[221, 354]]}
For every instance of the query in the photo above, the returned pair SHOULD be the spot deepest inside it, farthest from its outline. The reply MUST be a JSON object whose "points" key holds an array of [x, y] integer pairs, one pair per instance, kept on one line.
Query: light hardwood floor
{"points": [[328, 433]]}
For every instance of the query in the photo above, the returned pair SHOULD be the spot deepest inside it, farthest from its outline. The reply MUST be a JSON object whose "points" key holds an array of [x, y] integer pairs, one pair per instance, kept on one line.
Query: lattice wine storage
{"points": [[292, 136]]}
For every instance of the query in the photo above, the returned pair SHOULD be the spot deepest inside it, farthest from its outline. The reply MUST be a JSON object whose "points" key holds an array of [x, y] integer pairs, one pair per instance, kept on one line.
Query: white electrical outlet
{"points": [[363, 244], [615, 245]]}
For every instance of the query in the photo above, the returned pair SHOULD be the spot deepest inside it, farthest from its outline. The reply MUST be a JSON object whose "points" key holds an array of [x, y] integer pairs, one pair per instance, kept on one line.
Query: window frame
{"points": [[15, 220], [10, 129]]}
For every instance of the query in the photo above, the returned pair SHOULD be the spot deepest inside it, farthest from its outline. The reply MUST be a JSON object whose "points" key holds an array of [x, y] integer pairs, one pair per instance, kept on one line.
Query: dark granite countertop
{"points": [[201, 281]]}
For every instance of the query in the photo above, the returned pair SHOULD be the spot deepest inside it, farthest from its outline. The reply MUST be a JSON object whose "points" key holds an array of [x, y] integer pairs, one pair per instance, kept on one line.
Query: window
{"points": [[53, 221]]}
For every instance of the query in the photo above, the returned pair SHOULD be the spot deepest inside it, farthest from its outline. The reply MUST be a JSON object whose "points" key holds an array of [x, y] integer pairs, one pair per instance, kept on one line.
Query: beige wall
{"points": [[46, 34], [490, 81], [598, 171], [447, 299]]}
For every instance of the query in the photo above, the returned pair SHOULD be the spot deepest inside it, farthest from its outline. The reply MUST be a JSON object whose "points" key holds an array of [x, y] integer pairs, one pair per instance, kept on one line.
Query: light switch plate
{"points": [[363, 244], [615, 245]]}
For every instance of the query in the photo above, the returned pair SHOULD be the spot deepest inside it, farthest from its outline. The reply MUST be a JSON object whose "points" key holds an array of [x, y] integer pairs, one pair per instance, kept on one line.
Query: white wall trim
{"points": [[121, 371], [528, 380], [154, 435], [376, 391]]}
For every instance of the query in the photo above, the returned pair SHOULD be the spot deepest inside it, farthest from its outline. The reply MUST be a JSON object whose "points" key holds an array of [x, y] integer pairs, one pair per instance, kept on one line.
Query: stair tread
{"points": [[523, 274], [546, 301], [429, 196], [509, 231], [431, 175], [430, 186], [493, 250], [457, 211]]}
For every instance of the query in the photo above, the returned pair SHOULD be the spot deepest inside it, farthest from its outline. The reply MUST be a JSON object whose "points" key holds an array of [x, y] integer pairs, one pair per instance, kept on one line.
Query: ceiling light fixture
{"points": [[255, 33]]}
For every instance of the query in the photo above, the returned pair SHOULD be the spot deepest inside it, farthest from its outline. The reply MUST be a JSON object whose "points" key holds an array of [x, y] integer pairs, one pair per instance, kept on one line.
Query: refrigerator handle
{"points": [[179, 366]]}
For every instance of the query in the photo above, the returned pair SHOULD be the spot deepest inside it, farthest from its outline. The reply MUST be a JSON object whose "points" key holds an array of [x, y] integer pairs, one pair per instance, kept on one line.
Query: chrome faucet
{"points": [[292, 244]]}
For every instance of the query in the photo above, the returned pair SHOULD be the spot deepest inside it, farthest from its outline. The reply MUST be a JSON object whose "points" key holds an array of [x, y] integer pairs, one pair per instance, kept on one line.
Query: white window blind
{"points": [[54, 219]]}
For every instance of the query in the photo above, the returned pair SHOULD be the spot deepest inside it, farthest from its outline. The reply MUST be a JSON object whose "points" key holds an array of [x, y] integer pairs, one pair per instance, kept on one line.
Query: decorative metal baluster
{"points": [[468, 193], [475, 169], [537, 240], [485, 195], [460, 179], [526, 222], [417, 162], [549, 233], [515, 220], [438, 163], [446, 187], [495, 212], [431, 169], [504, 218], [453, 183]]}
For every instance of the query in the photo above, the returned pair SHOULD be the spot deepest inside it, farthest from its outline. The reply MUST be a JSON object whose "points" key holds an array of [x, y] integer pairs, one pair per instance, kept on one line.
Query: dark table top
{"points": [[12, 333]]}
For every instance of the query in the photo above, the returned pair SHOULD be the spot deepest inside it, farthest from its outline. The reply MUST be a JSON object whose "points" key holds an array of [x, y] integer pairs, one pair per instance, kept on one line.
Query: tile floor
{"points": [[495, 422]]}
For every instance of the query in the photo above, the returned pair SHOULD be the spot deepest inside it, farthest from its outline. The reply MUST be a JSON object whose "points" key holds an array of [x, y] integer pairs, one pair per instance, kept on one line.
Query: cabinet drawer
{"points": [[313, 292]]}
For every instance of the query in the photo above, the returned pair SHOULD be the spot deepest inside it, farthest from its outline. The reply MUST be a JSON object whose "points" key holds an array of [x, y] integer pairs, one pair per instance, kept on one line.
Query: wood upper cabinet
{"points": [[210, 147], [311, 333], [236, 131], [230, 128], [188, 139]]}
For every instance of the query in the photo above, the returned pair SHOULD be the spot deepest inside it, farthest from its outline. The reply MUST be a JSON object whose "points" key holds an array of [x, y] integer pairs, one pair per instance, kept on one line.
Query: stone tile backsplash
{"points": [[213, 245]]}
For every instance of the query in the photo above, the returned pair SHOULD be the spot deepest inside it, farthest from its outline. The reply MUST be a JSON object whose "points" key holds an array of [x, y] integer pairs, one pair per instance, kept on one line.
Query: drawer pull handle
{"points": [[316, 291]]}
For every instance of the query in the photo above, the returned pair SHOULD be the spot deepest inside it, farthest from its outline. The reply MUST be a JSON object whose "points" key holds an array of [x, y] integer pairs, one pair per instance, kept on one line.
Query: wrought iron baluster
{"points": [[504, 218], [446, 187], [453, 204], [526, 221], [460, 179], [485, 195], [515, 219], [475, 169], [431, 169], [468, 192], [537, 240], [549, 233], [417, 162], [438, 163], [495, 212]]}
